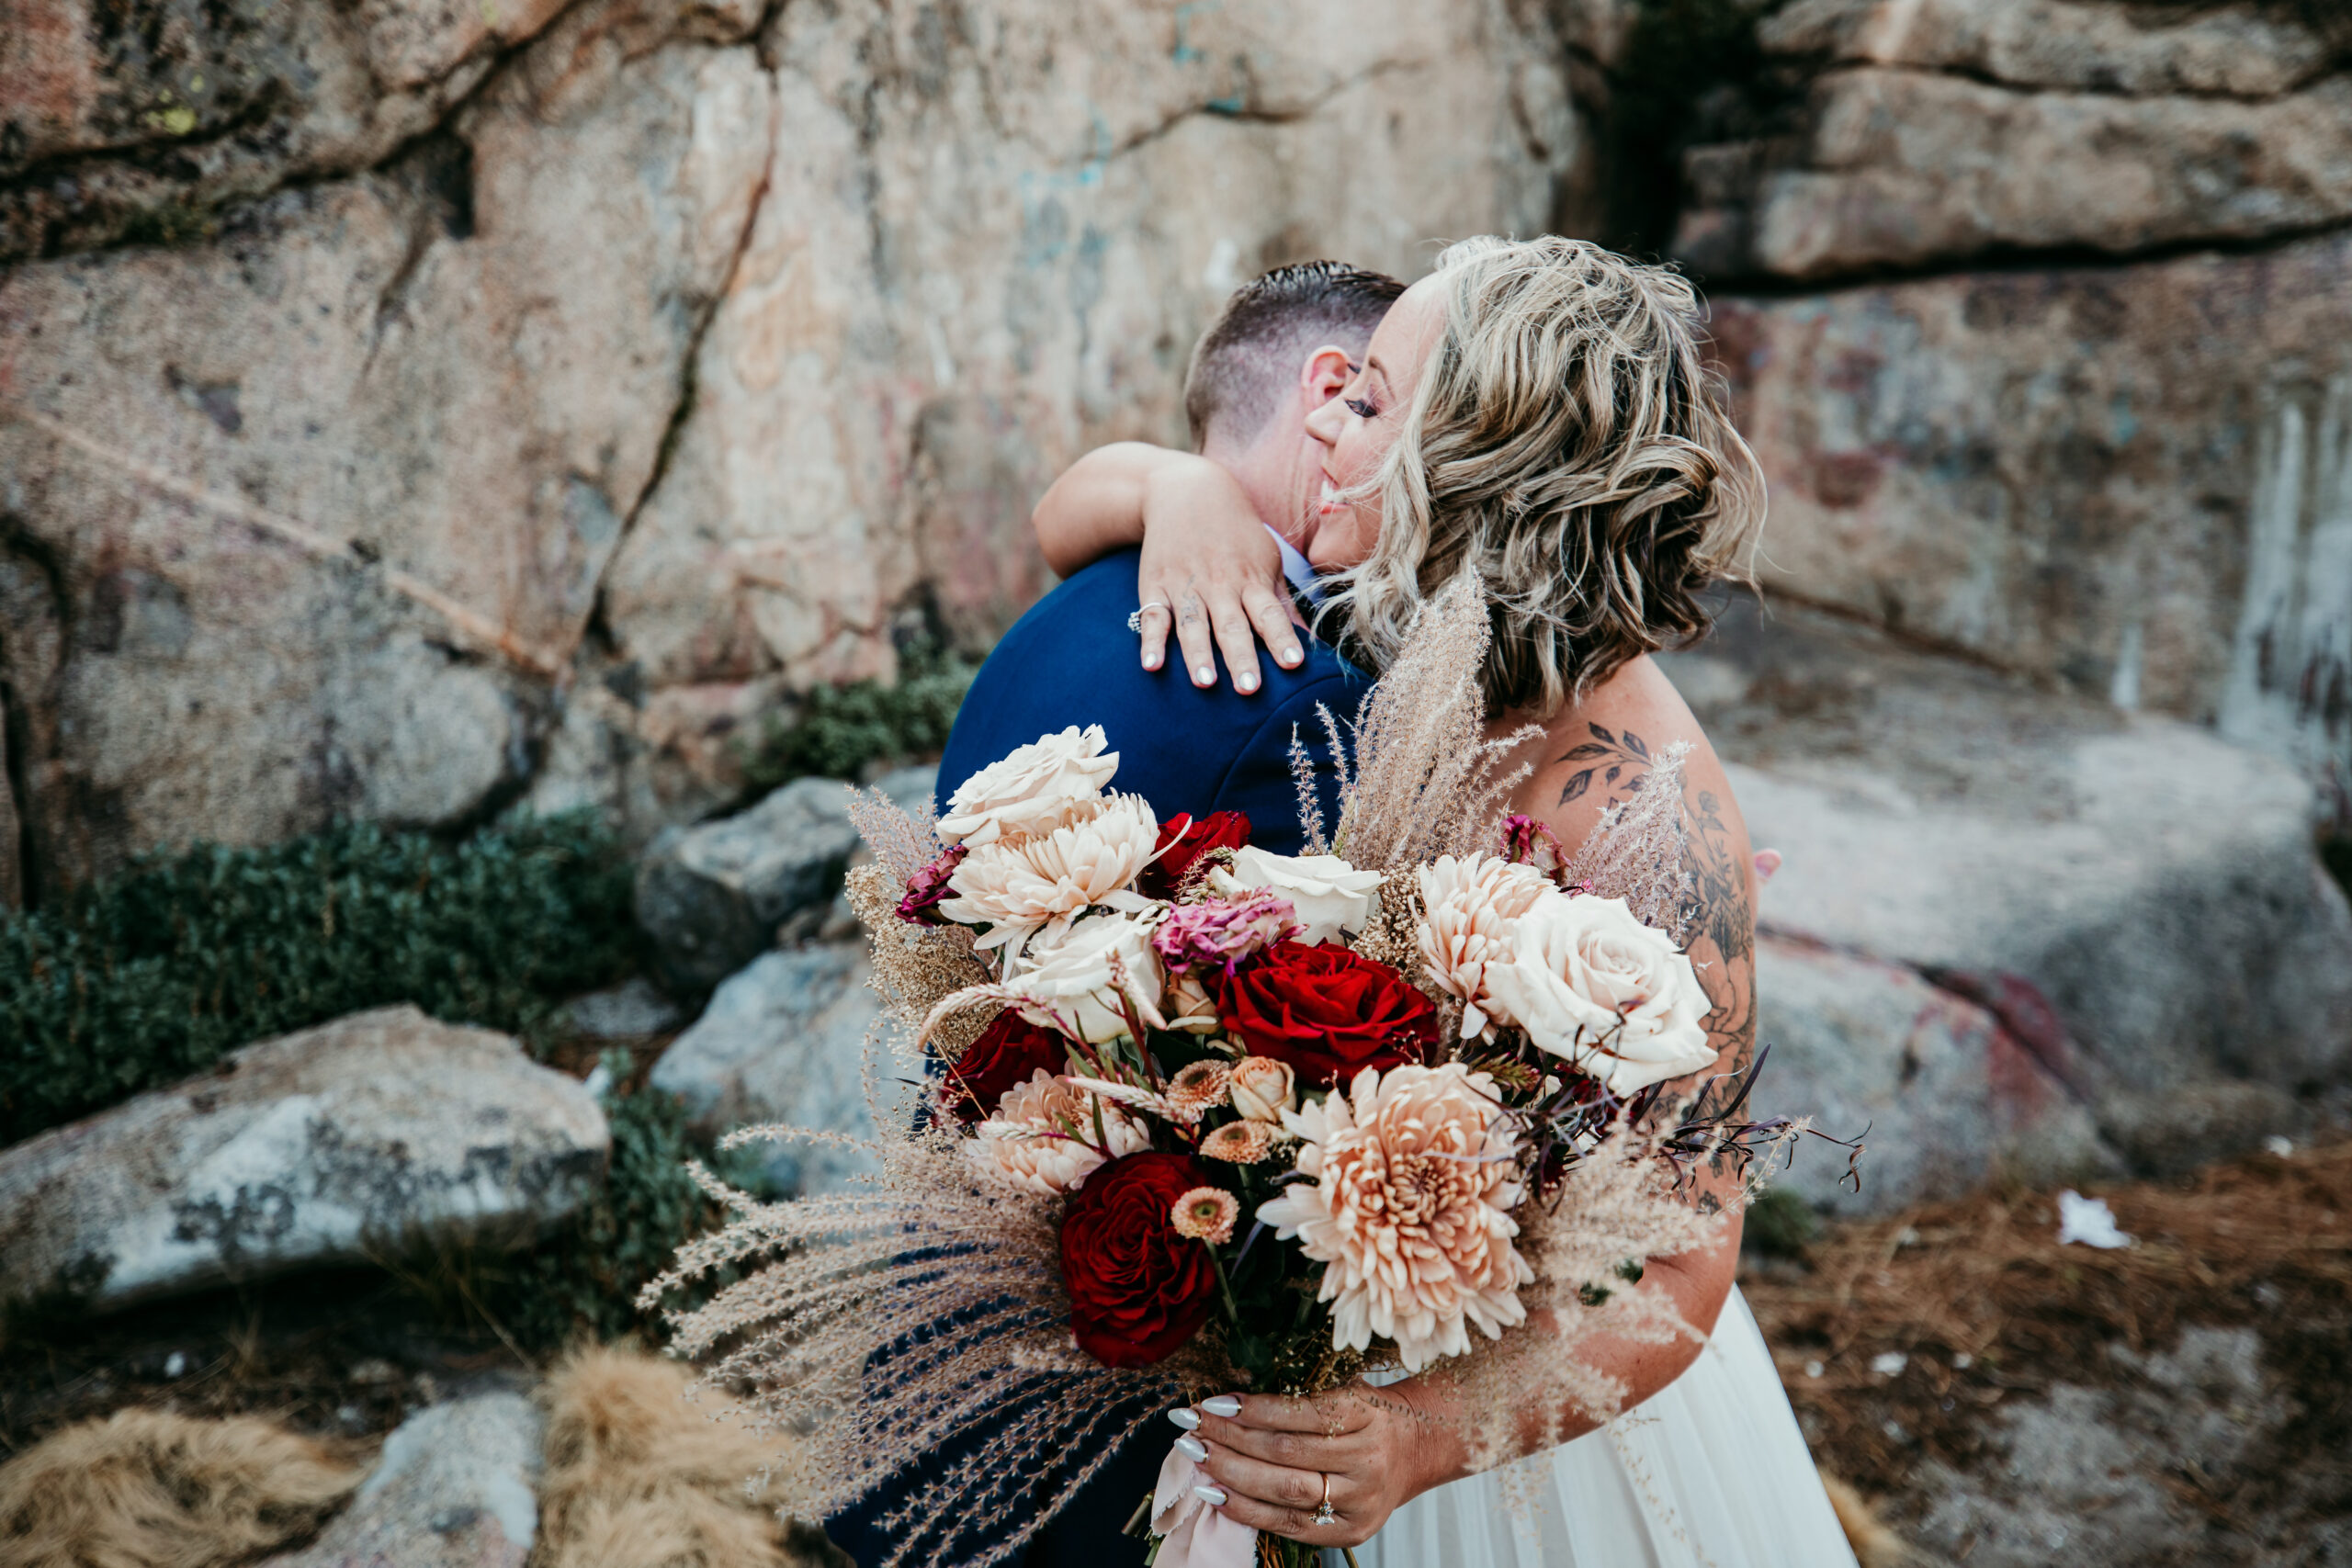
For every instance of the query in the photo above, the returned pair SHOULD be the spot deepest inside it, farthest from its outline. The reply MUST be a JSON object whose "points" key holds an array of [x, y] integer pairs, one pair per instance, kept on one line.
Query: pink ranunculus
{"points": [[1221, 932]]}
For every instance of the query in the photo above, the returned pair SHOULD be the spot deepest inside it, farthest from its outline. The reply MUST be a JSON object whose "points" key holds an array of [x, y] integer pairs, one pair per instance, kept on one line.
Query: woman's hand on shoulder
{"points": [[1211, 571]]}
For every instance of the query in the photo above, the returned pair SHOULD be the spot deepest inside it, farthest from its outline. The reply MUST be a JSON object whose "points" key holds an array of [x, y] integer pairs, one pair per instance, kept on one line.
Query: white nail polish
{"points": [[1224, 1405], [1194, 1448], [1214, 1497], [1208, 674], [1184, 1417], [1247, 683]]}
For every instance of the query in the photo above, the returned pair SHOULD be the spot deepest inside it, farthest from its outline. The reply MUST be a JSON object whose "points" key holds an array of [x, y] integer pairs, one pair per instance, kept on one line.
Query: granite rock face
{"points": [[1932, 132], [785, 1040], [2135, 480], [454, 1487], [354, 359], [331, 1146], [2040, 902], [1945, 1098]]}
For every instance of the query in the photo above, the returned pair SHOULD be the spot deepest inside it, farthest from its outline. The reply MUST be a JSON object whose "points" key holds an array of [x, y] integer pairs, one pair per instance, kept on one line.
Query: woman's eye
{"points": [[1361, 408]]}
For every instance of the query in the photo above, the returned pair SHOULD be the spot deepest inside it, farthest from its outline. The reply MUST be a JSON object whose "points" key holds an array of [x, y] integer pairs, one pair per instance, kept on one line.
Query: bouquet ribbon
{"points": [[1197, 1535]]}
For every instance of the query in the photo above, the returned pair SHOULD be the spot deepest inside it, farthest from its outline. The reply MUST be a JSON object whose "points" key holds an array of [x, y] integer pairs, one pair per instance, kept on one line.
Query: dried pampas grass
{"points": [[148, 1489], [1417, 776], [1875, 1546], [636, 1477]]}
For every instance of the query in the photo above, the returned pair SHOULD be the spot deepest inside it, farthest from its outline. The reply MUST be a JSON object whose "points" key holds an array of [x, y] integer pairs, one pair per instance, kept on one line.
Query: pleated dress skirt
{"points": [[1712, 1471]]}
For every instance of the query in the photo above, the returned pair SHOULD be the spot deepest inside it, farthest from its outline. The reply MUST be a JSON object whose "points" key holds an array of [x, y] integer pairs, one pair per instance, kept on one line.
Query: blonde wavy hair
{"points": [[1567, 439]]}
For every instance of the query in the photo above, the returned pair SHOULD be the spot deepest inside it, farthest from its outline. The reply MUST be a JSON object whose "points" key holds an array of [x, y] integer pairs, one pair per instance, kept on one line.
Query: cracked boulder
{"points": [[343, 1144], [456, 1486], [2135, 902], [785, 1040]]}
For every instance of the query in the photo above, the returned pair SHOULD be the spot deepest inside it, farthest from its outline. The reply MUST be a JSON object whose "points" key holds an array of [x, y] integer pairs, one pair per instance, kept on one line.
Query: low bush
{"points": [[843, 730], [150, 978]]}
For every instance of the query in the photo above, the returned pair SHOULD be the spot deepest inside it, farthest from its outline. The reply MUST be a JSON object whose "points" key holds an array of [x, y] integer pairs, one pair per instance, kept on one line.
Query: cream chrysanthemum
{"points": [[1017, 886], [1469, 908], [1410, 1208], [1196, 1087], [1045, 1136], [1033, 790]]}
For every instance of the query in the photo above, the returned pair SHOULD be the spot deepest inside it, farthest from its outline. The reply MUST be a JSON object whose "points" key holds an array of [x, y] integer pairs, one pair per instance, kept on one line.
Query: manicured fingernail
{"points": [[1184, 1417], [1247, 683], [1290, 658], [1214, 1497], [1224, 1405], [1194, 1448], [1152, 662], [1208, 675]]}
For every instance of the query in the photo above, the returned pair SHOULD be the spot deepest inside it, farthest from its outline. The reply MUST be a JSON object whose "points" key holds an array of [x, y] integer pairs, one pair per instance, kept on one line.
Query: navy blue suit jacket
{"points": [[1071, 661]]}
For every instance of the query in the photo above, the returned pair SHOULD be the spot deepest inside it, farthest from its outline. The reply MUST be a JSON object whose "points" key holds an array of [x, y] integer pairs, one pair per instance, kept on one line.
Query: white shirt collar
{"points": [[1295, 570]]}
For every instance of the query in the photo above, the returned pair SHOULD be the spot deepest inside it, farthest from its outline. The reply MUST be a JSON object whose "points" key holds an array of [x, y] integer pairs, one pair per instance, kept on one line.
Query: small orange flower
{"points": [[1239, 1142], [1207, 1214]]}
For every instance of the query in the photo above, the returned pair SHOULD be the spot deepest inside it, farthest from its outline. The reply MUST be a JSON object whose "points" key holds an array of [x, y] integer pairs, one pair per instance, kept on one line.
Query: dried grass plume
{"points": [[148, 1489]]}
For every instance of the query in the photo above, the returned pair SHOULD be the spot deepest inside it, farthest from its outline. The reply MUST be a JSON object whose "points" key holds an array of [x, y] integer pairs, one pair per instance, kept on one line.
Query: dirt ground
{"points": [[2005, 1400], [2186, 1400]]}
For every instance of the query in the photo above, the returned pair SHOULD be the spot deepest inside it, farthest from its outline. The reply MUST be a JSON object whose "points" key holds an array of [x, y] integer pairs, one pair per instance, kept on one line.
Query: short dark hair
{"points": [[1250, 353]]}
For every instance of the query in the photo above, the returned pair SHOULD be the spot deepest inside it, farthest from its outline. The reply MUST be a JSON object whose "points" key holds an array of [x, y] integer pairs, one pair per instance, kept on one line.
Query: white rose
{"points": [[1066, 982], [1470, 909], [1032, 790], [1262, 1088], [1019, 883], [1591, 983], [1329, 894]]}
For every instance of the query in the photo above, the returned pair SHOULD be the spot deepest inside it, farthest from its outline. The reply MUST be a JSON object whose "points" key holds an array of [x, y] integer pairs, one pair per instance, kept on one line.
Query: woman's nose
{"points": [[1323, 421]]}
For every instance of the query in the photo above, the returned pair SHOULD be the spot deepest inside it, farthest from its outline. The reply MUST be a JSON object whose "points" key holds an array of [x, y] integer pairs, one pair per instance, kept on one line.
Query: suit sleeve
{"points": [[1261, 782]]}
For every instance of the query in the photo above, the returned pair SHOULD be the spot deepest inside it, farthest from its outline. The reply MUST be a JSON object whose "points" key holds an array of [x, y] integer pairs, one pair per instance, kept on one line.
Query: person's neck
{"points": [[1255, 469]]}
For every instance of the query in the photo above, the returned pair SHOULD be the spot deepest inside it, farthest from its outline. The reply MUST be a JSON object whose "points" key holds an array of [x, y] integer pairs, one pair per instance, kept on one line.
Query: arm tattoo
{"points": [[1719, 914]]}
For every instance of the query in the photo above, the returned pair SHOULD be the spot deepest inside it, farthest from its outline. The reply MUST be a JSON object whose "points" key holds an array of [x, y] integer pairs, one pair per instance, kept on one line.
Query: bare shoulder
{"points": [[1594, 754]]}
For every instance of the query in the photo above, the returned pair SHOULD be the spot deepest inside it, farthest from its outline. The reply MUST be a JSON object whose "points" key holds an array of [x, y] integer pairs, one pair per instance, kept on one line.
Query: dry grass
{"points": [[2265, 1241], [1875, 1546], [148, 1489], [639, 1478]]}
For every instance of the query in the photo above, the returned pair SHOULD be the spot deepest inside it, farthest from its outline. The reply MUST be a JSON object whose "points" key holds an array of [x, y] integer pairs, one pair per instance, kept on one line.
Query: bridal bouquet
{"points": [[1198, 1116]]}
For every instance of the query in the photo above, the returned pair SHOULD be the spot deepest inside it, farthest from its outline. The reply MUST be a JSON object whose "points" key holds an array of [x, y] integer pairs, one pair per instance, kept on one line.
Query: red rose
{"points": [[1136, 1289], [927, 889], [1183, 841], [1325, 1011], [1008, 1051]]}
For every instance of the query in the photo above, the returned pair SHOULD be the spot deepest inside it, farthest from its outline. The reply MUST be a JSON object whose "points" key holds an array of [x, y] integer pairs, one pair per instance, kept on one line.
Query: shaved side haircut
{"points": [[1250, 355]]}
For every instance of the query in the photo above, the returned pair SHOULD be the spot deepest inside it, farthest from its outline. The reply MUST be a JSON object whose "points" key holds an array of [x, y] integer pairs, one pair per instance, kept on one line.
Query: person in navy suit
{"points": [[1282, 346]]}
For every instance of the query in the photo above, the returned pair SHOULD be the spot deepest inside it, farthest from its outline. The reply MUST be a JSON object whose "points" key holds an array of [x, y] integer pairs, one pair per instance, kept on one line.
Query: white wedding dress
{"points": [[1711, 1471]]}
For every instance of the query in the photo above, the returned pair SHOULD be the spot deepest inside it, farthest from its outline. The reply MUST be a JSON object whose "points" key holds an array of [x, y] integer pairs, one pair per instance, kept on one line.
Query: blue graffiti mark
{"points": [[1184, 53]]}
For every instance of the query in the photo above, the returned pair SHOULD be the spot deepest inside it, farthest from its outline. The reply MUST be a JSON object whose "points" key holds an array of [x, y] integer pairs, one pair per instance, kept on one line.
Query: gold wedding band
{"points": [[1323, 1515], [1135, 616]]}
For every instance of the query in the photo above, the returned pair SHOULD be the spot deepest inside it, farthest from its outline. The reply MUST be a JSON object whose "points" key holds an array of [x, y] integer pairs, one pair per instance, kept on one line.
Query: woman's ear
{"points": [[1321, 376]]}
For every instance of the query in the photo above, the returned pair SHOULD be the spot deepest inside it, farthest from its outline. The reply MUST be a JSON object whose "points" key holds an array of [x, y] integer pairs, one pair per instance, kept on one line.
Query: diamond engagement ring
{"points": [[1135, 616], [1324, 1515]]}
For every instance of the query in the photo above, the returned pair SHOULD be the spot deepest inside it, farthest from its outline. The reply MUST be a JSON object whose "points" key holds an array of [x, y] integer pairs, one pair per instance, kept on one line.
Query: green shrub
{"points": [[150, 978], [583, 1281], [1779, 1224], [844, 728]]}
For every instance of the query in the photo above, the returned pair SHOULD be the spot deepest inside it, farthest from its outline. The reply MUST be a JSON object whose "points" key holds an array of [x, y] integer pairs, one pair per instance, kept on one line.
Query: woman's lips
{"points": [[1330, 501]]}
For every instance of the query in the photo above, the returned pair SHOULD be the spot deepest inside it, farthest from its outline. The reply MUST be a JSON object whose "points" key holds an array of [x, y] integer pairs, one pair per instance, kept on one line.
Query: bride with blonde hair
{"points": [[1541, 411]]}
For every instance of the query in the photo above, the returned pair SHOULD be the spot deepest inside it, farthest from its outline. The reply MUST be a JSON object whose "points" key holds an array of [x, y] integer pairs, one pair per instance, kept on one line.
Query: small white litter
{"points": [[1889, 1364], [176, 1364], [2283, 1147], [1814, 1369], [2088, 1221], [1961, 1361]]}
